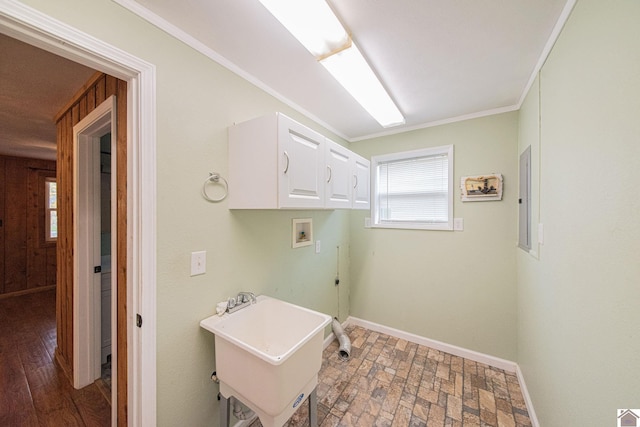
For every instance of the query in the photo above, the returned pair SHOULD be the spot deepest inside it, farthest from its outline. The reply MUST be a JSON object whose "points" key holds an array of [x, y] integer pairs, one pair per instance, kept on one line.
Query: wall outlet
{"points": [[198, 263]]}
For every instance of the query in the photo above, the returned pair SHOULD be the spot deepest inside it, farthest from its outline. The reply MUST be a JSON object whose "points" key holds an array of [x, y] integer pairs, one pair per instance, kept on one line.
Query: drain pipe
{"points": [[239, 412], [344, 351], [345, 344]]}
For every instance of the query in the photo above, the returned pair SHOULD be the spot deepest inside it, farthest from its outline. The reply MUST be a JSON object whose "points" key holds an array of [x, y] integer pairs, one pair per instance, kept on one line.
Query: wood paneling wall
{"points": [[97, 89], [27, 260]]}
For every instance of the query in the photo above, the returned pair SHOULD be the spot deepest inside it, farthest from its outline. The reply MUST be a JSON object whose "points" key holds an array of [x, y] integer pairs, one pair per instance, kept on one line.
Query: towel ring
{"points": [[215, 178]]}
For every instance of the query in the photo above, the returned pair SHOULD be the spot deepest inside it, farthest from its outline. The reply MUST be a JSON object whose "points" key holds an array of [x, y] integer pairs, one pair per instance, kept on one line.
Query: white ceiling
{"points": [[440, 60], [34, 86]]}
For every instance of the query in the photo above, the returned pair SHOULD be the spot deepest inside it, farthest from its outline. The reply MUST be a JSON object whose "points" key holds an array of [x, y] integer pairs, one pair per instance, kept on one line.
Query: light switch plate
{"points": [[198, 263], [318, 246], [458, 224]]}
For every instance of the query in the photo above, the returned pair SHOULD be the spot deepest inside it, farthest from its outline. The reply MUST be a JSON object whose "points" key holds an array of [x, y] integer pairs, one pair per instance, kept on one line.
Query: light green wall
{"points": [[579, 303], [455, 287], [196, 101], [576, 307]]}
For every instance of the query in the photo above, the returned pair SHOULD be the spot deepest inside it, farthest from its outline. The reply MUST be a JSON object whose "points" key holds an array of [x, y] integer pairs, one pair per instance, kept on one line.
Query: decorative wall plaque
{"points": [[481, 188]]}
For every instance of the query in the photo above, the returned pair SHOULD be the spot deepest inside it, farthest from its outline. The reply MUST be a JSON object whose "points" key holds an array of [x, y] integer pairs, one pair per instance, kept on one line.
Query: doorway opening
{"points": [[137, 402]]}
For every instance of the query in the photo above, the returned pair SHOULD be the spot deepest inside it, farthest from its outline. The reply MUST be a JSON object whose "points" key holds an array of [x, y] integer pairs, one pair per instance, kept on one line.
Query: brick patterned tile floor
{"points": [[390, 382]]}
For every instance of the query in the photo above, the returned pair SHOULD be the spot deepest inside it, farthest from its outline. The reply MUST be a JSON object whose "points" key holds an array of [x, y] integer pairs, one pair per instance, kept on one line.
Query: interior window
{"points": [[51, 209], [414, 189]]}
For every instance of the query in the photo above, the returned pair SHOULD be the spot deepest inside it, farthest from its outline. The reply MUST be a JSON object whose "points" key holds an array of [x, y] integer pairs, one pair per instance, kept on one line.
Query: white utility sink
{"points": [[268, 356]]}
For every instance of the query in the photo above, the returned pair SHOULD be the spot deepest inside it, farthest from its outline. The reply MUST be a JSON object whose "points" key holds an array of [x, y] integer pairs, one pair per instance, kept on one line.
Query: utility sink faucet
{"points": [[242, 300], [246, 297]]}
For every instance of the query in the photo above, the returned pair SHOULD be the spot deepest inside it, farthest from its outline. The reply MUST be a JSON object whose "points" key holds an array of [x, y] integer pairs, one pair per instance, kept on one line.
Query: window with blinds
{"points": [[51, 210], [414, 189]]}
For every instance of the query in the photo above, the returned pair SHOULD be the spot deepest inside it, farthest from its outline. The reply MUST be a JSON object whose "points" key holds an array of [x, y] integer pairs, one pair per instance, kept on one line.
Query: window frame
{"points": [[48, 210], [403, 156]]}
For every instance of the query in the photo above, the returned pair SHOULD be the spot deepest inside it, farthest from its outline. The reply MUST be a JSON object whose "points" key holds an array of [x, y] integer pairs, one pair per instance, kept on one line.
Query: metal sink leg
{"points": [[225, 409], [313, 409]]}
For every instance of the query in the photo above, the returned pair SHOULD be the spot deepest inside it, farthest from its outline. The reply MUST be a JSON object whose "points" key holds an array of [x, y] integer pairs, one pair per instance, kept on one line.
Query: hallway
{"points": [[35, 391]]}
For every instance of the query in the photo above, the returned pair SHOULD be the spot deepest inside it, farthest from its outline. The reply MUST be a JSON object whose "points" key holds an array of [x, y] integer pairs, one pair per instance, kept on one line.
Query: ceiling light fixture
{"points": [[315, 25]]}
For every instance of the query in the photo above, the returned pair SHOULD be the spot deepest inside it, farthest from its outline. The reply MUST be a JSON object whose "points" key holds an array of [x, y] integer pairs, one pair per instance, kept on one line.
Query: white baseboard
{"points": [[329, 339], [527, 399], [496, 362]]}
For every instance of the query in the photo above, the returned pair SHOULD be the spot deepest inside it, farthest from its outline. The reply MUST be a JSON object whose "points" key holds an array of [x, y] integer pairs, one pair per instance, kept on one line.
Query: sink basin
{"points": [[268, 355]]}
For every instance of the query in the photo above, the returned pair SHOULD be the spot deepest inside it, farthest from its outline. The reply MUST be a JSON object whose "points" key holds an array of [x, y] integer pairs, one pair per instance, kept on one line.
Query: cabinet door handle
{"points": [[287, 157], [329, 169], [355, 184]]}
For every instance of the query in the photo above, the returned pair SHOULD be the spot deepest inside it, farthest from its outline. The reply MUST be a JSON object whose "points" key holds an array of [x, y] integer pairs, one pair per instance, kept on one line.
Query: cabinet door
{"points": [[361, 182], [338, 192], [301, 165]]}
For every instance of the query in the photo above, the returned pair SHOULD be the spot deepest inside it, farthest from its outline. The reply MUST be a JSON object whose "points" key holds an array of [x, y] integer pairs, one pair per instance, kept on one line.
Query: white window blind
{"points": [[414, 189], [51, 210]]}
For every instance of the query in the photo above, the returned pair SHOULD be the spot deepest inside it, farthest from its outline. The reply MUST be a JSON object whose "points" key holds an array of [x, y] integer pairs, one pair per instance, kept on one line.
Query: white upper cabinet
{"points": [[338, 189], [300, 165], [347, 182], [277, 163], [361, 178]]}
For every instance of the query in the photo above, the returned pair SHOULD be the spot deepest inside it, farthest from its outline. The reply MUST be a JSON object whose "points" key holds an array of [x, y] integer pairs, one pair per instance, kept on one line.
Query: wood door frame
{"points": [[31, 26], [86, 215]]}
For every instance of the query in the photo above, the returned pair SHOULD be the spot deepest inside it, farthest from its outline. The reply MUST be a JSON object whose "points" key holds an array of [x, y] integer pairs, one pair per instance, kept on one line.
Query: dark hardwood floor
{"points": [[33, 388]]}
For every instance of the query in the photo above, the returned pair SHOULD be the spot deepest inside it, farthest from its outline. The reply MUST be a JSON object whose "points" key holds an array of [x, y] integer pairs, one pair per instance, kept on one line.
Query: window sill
{"points": [[415, 226]]}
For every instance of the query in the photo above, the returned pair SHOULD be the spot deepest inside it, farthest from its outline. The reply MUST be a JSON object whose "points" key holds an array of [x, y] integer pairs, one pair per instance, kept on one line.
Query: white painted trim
{"points": [[551, 41], [376, 205], [197, 45], [86, 241], [31, 26], [496, 362], [527, 398], [329, 339], [456, 119], [141, 209]]}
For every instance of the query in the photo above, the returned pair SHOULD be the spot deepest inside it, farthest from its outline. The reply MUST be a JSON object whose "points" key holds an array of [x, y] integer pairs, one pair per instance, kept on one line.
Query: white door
{"points": [[338, 192], [87, 277], [301, 165]]}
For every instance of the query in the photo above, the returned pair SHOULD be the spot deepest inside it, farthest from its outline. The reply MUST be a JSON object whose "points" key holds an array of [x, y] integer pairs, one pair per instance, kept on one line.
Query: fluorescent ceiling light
{"points": [[354, 74], [315, 25]]}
